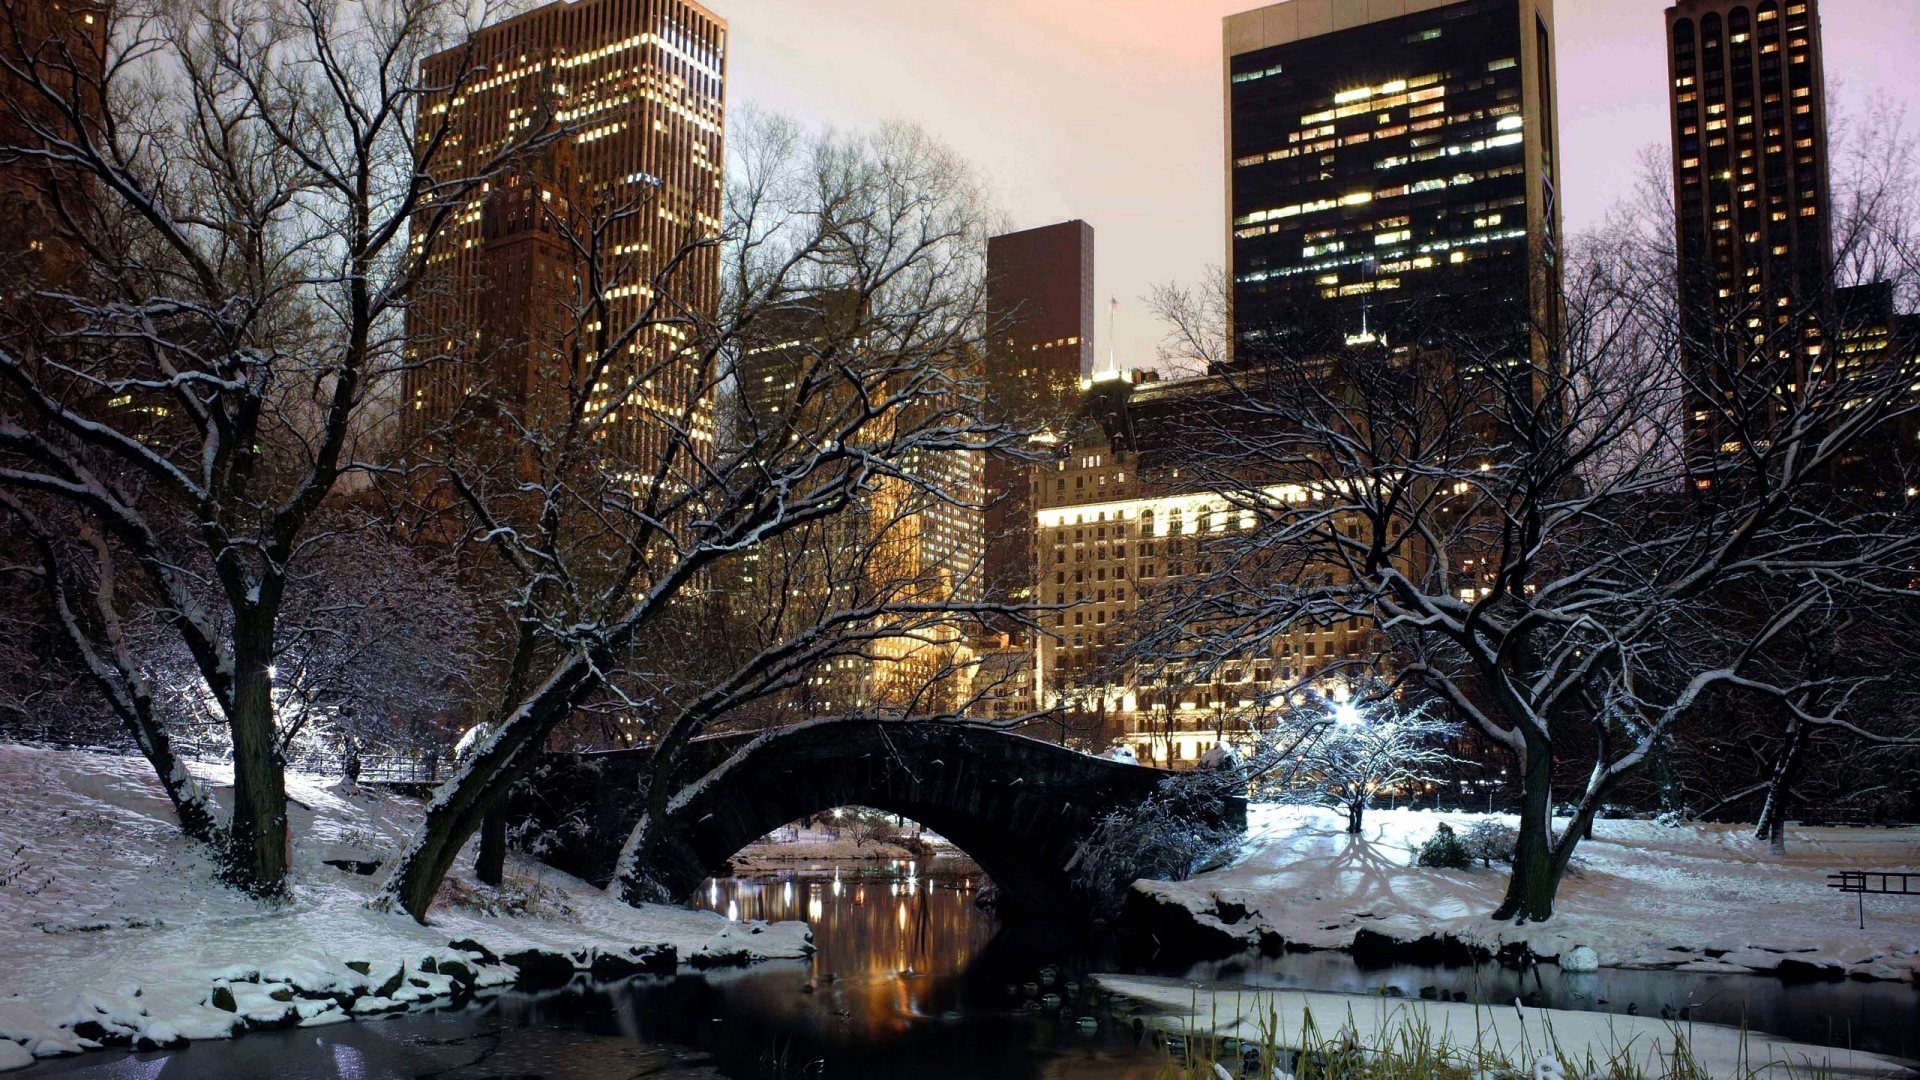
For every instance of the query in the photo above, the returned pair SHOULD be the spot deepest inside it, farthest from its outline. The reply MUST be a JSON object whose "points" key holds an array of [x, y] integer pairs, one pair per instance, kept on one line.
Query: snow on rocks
{"points": [[13, 1055], [1696, 897], [1580, 958], [119, 935]]}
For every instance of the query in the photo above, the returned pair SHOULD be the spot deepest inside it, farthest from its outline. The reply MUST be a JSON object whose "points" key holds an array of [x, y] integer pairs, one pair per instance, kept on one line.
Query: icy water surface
{"points": [[913, 981]]}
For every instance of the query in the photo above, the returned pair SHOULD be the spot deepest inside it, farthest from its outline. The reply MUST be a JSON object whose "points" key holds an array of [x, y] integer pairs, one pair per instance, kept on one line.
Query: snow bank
{"points": [[1519, 1036], [113, 930], [1697, 897]]}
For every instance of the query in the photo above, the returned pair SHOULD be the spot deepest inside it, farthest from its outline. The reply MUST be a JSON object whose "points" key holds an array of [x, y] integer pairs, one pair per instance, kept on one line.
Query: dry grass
{"points": [[1414, 1051]]}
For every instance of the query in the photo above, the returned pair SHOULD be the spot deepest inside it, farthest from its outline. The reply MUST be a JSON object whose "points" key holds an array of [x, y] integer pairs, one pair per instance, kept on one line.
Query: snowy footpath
{"points": [[1696, 898], [1532, 1039], [113, 931]]}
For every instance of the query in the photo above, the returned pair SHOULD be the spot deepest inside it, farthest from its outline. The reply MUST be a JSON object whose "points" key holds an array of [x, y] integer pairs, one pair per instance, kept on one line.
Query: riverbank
{"points": [[1481, 1038], [114, 932], [813, 850], [1692, 898]]}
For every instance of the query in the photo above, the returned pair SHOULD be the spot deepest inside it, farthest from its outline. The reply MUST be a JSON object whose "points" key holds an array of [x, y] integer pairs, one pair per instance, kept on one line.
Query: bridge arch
{"points": [[1019, 807]]}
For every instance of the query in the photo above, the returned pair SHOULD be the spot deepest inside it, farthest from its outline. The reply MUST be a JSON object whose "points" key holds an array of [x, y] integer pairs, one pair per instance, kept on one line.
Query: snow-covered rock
{"points": [[1580, 958], [1220, 757], [13, 1055], [1121, 752], [131, 940]]}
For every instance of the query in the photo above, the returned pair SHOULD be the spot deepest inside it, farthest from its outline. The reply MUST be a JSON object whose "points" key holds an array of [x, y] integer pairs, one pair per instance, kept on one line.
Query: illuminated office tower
{"points": [[1752, 214], [1391, 175], [908, 537], [640, 87]]}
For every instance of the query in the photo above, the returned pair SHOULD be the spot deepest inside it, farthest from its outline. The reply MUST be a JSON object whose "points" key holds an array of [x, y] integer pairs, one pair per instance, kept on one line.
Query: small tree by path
{"points": [[1369, 744]]}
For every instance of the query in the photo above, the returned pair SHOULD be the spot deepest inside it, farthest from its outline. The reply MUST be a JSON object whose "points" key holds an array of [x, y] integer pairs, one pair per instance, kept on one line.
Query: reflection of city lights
{"points": [[713, 892], [815, 909], [902, 916], [733, 910], [786, 895]]}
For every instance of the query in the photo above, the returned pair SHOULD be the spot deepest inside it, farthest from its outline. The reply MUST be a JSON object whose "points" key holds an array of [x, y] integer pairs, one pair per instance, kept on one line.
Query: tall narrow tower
{"points": [[1752, 215], [640, 87], [1392, 171], [1040, 312]]}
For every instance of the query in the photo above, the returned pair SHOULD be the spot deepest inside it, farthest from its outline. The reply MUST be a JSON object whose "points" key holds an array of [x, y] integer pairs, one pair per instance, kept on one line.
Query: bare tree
{"points": [[874, 407], [249, 219], [1525, 527], [1349, 752]]}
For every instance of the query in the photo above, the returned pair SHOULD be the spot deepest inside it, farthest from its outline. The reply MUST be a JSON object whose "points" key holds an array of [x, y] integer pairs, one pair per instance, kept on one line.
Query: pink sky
{"points": [[1110, 110]]}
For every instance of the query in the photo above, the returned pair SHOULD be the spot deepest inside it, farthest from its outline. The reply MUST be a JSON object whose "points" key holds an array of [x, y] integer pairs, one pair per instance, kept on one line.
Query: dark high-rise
{"points": [[1392, 167], [1752, 215], [61, 46], [1040, 312], [1040, 307]]}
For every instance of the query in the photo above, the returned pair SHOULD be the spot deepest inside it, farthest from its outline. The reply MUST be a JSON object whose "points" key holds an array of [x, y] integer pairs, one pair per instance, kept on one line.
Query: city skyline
{"points": [[1037, 131]]}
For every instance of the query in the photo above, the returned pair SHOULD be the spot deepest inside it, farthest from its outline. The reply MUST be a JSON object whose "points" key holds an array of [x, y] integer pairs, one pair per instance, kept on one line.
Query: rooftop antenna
{"points": [[1113, 361]]}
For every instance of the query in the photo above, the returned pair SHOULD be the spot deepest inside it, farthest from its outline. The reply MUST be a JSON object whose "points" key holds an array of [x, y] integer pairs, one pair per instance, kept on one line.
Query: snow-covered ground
{"points": [[111, 924], [1696, 897], [1518, 1036]]}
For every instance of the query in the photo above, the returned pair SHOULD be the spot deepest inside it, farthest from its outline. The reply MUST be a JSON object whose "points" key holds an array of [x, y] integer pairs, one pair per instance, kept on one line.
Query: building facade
{"points": [[1040, 346], [912, 537], [1114, 522], [1392, 171], [54, 40], [1753, 221], [637, 89]]}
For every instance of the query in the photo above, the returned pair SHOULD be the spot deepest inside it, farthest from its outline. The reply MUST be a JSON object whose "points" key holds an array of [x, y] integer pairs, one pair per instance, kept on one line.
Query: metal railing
{"points": [[1862, 882], [416, 767]]}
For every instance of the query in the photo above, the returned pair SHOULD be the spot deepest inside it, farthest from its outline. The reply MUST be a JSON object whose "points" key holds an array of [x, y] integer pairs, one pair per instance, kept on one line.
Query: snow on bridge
{"points": [[1016, 805]]}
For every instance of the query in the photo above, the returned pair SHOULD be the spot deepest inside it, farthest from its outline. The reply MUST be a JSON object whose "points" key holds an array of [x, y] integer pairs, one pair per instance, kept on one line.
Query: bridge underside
{"points": [[1017, 806]]}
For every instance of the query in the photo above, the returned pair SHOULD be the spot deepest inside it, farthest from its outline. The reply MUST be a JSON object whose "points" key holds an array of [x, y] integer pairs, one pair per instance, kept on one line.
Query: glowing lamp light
{"points": [[1345, 714]]}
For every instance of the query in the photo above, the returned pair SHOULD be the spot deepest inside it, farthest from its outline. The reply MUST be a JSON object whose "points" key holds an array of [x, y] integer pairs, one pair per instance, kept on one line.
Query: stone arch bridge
{"points": [[1018, 806]]}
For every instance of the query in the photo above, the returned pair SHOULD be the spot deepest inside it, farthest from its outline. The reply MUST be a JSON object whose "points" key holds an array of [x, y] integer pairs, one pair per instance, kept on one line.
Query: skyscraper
{"points": [[53, 40], [1040, 312], [1752, 214], [639, 88], [1391, 174], [910, 537]]}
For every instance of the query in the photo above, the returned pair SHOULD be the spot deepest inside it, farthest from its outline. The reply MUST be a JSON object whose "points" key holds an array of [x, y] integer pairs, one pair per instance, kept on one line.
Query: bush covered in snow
{"points": [[1491, 842], [1446, 851], [1172, 835]]}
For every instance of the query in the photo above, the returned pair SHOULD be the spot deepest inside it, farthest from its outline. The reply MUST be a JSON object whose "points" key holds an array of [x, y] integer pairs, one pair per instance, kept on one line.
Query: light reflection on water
{"points": [[892, 942]]}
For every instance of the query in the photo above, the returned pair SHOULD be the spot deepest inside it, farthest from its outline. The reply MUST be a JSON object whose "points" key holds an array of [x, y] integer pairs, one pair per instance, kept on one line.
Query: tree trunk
{"points": [[1536, 872], [490, 865], [257, 846], [190, 803], [457, 810], [460, 805], [631, 877], [1786, 769], [1354, 811]]}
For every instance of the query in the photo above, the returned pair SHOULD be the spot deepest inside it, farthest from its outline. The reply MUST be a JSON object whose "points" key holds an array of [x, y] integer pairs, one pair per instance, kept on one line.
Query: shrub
{"points": [[1172, 835], [1491, 842], [1445, 851]]}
